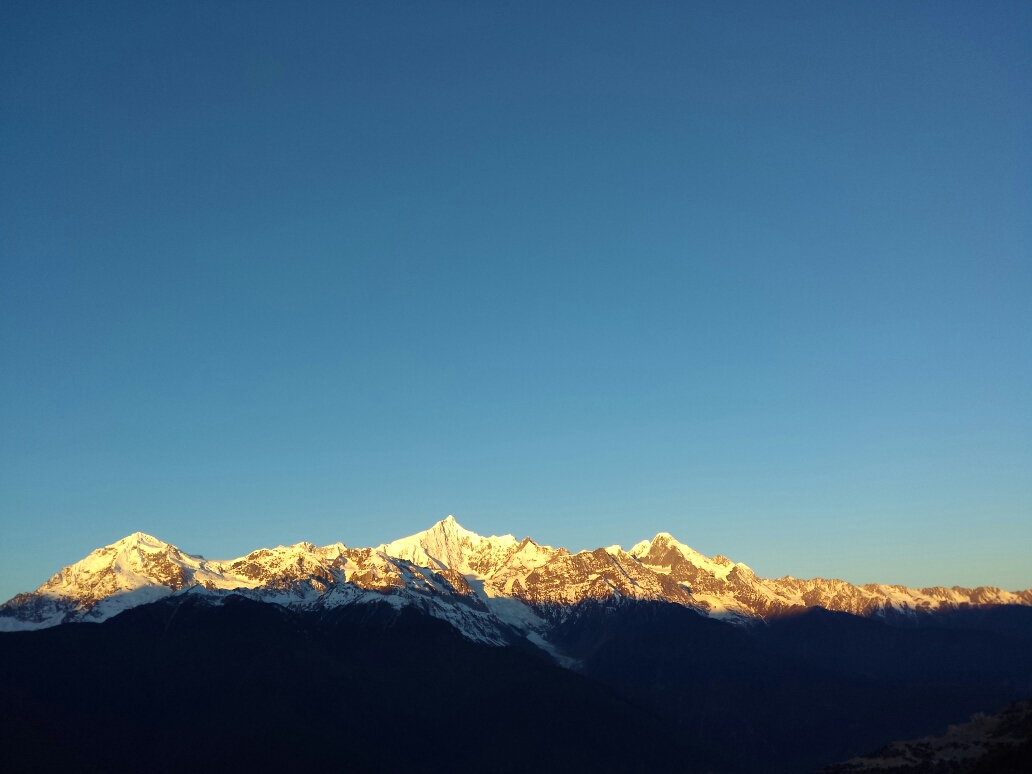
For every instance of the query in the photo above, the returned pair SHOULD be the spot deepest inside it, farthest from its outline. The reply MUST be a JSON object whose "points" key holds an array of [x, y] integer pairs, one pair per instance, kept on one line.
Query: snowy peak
{"points": [[511, 577], [139, 540], [135, 570], [134, 561], [449, 546], [482, 585], [530, 555], [140, 568], [665, 553]]}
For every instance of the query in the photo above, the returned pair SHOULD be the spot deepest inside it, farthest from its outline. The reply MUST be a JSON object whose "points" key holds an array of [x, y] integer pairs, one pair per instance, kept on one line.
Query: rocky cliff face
{"points": [[489, 587]]}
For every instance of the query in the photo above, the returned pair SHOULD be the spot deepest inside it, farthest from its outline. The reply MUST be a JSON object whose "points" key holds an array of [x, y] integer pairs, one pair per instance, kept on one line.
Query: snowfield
{"points": [[490, 588]]}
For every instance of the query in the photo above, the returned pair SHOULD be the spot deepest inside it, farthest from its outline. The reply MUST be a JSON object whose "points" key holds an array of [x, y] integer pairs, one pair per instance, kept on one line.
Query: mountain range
{"points": [[448, 651], [487, 587]]}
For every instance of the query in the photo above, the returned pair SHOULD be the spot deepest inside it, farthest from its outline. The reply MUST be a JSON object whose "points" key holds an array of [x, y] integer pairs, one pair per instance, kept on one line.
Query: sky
{"points": [[758, 275]]}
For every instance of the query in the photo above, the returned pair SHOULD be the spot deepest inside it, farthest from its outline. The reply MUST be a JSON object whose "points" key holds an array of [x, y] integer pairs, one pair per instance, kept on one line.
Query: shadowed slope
{"points": [[247, 686], [793, 695]]}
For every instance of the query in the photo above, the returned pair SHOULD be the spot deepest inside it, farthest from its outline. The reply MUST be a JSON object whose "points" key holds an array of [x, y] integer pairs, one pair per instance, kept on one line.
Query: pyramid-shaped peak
{"points": [[663, 549], [450, 525], [666, 551], [528, 541], [661, 541], [665, 540], [449, 545], [450, 528]]}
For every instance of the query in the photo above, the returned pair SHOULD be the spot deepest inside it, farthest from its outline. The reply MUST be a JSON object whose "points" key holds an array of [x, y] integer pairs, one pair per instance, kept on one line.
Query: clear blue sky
{"points": [[756, 275]]}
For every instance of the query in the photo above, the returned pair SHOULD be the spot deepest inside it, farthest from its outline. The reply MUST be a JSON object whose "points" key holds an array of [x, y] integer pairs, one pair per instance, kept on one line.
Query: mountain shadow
{"points": [[244, 686], [800, 692], [247, 686]]}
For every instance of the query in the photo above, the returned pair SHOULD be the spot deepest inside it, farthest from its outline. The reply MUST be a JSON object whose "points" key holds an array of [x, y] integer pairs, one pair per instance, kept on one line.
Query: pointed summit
{"points": [[447, 545], [493, 576], [664, 553]]}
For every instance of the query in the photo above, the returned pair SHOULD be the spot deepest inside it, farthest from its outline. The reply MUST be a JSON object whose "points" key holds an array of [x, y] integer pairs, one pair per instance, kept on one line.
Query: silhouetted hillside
{"points": [[247, 686]]}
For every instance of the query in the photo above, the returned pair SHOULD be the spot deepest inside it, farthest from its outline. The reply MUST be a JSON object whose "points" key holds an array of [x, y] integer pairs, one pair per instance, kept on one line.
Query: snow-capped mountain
{"points": [[491, 588]]}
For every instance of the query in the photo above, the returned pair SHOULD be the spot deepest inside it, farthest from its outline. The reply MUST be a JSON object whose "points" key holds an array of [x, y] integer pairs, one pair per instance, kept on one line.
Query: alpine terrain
{"points": [[485, 586], [448, 651]]}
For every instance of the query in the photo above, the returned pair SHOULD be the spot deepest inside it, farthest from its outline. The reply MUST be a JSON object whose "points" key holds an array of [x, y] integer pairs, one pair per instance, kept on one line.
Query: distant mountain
{"points": [[450, 651], [491, 588]]}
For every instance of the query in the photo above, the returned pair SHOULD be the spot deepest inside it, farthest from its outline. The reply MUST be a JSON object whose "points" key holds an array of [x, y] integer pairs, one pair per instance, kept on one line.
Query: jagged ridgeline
{"points": [[487, 587], [448, 651]]}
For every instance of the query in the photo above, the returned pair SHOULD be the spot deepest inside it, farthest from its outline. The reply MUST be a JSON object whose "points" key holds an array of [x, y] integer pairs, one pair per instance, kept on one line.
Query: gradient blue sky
{"points": [[756, 275]]}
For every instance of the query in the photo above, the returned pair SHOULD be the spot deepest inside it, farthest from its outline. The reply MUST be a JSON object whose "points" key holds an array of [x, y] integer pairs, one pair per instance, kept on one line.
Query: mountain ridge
{"points": [[491, 588]]}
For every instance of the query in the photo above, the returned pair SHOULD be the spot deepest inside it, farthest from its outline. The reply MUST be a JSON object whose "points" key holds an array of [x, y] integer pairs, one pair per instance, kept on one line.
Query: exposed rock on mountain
{"points": [[486, 586]]}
